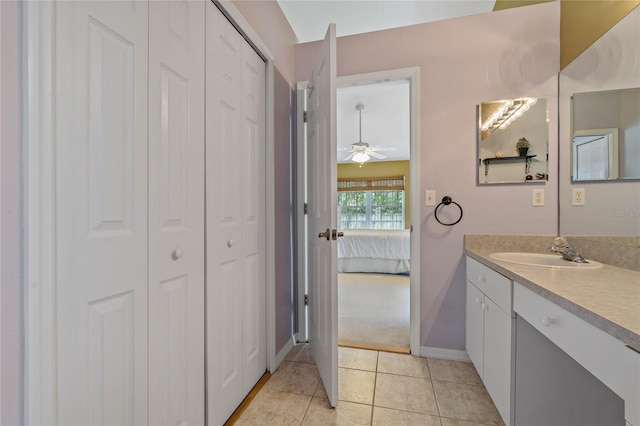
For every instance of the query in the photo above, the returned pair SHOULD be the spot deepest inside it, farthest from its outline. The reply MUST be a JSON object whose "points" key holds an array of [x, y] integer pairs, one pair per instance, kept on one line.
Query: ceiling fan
{"points": [[361, 151]]}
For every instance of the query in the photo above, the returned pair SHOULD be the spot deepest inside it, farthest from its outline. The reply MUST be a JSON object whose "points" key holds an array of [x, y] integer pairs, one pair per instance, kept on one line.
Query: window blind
{"points": [[387, 183]]}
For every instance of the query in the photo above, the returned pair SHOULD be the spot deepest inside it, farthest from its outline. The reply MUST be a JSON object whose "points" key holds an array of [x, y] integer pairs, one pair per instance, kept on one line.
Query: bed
{"points": [[374, 251]]}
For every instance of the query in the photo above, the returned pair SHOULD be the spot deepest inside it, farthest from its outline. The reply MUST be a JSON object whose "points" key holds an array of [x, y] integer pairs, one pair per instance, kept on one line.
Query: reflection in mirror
{"points": [[613, 152], [595, 154], [513, 140]]}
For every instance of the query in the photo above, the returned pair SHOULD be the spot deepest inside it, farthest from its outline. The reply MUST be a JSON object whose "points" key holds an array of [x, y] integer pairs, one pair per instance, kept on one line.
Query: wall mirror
{"points": [[606, 135], [599, 94], [513, 141]]}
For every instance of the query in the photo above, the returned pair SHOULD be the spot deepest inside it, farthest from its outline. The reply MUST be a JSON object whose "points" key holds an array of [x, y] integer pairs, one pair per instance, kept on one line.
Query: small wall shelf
{"points": [[527, 162]]}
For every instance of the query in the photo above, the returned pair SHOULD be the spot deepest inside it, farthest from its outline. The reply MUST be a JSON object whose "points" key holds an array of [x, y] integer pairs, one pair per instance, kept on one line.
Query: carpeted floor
{"points": [[373, 309]]}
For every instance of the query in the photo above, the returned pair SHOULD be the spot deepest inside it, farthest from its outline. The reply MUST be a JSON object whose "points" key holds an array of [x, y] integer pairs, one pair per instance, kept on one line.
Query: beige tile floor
{"points": [[375, 388]]}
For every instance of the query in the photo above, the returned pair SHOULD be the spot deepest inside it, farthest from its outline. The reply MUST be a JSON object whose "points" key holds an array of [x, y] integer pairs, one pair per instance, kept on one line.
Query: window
{"points": [[371, 203]]}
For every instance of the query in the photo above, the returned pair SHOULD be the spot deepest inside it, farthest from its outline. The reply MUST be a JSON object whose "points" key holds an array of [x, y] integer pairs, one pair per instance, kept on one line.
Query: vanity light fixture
{"points": [[509, 111]]}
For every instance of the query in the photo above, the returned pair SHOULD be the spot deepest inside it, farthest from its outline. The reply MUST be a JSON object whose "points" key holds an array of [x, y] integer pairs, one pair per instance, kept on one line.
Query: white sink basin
{"points": [[554, 261]]}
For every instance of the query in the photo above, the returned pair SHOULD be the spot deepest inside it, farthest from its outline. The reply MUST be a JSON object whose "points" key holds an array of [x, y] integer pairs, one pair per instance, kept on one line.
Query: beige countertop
{"points": [[608, 297]]}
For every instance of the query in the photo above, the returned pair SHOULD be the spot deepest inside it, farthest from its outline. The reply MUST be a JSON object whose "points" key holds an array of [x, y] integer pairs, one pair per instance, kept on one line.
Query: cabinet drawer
{"points": [[497, 287], [604, 356]]}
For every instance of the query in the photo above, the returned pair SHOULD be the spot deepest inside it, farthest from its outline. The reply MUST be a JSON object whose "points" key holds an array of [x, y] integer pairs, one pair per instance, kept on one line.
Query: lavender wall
{"points": [[267, 20], [463, 62], [11, 302]]}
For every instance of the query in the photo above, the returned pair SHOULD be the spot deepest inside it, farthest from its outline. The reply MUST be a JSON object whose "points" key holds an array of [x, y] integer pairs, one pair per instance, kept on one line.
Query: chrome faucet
{"points": [[560, 245]]}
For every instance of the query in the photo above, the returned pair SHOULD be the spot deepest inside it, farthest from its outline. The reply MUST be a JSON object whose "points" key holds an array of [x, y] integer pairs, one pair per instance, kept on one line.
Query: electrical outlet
{"points": [[429, 197], [577, 198], [538, 198]]}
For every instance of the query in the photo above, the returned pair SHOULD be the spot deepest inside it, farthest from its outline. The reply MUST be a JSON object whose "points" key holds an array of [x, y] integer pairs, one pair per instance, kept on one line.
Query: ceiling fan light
{"points": [[360, 157]]}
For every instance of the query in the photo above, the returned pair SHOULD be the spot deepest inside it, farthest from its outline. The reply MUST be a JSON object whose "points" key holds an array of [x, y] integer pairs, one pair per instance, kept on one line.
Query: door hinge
{"points": [[306, 208], [306, 299], [305, 116]]}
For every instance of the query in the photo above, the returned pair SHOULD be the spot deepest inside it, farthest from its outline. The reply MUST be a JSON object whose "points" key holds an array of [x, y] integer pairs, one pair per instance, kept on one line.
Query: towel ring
{"points": [[446, 201]]}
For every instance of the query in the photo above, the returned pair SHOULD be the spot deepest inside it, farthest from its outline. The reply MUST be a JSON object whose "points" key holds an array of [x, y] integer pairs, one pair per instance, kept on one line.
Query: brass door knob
{"points": [[326, 234]]}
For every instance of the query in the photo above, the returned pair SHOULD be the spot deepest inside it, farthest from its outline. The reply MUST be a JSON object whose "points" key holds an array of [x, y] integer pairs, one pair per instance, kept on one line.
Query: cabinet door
{"points": [[497, 357], [474, 326]]}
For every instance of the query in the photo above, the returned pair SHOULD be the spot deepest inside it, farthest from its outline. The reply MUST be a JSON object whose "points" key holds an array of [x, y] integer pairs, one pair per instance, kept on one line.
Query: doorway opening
{"points": [[373, 201], [378, 211]]}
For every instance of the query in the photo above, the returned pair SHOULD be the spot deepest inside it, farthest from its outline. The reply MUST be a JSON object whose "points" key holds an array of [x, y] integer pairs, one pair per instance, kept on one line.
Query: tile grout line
{"points": [[304, 416], [375, 382], [433, 388]]}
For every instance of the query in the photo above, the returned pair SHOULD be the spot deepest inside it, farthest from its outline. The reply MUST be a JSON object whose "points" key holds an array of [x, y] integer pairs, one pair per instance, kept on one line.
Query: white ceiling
{"points": [[385, 118], [309, 19]]}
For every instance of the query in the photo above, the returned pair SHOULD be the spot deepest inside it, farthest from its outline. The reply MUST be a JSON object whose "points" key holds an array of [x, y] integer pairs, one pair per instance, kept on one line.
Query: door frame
{"points": [[40, 203], [411, 74]]}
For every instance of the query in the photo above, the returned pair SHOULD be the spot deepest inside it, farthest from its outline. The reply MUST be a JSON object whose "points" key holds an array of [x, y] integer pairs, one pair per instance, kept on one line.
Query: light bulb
{"points": [[360, 157]]}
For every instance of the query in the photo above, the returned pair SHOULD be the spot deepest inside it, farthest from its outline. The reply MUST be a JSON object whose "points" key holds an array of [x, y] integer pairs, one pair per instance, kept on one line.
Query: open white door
{"points": [[322, 179]]}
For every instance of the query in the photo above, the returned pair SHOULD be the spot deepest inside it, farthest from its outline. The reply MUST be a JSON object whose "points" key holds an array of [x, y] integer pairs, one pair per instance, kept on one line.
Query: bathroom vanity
{"points": [[554, 346]]}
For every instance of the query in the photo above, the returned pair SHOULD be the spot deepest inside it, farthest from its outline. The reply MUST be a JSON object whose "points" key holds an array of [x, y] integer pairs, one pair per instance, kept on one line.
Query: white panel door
{"points": [[254, 349], [101, 212], [322, 178], [235, 187], [176, 212], [224, 128]]}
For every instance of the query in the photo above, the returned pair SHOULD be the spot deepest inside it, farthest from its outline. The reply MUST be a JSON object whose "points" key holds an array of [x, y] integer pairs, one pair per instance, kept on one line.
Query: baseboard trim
{"points": [[282, 354], [450, 354]]}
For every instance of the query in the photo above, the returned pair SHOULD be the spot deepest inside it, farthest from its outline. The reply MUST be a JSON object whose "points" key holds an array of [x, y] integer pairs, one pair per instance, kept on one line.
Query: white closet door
{"points": [[101, 212], [253, 218], [224, 216], [235, 168], [176, 212]]}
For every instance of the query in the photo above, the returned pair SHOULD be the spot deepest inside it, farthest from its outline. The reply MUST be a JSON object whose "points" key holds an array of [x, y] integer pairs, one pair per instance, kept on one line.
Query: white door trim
{"points": [[39, 208], [235, 17], [301, 190], [413, 75], [40, 198]]}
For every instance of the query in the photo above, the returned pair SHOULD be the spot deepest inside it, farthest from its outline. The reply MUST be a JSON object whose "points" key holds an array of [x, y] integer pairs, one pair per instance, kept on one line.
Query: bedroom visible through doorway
{"points": [[374, 179], [379, 200]]}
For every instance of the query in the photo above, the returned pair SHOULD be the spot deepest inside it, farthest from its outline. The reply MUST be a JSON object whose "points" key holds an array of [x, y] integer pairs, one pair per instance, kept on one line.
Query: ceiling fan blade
{"points": [[376, 155], [384, 148], [349, 157]]}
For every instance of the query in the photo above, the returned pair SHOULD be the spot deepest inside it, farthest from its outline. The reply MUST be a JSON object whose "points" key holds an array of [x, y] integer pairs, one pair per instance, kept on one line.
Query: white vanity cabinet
{"points": [[614, 364], [490, 324]]}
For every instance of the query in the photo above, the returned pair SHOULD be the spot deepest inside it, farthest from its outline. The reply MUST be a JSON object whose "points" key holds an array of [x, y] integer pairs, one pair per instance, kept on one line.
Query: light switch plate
{"points": [[429, 197]]}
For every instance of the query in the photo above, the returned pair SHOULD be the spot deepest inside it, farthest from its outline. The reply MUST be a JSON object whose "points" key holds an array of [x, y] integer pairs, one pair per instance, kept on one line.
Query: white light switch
{"points": [[429, 197]]}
